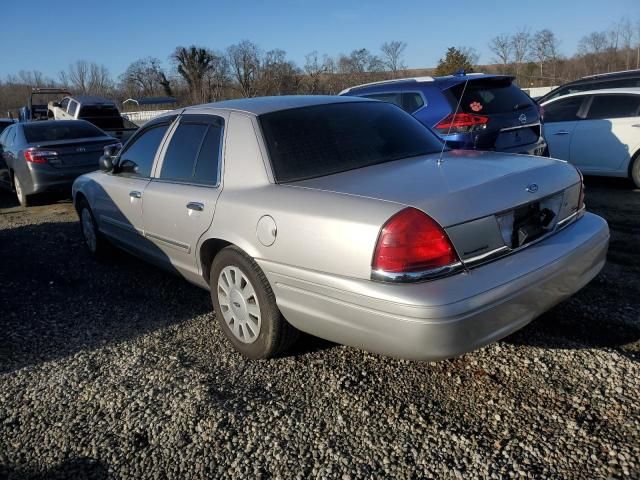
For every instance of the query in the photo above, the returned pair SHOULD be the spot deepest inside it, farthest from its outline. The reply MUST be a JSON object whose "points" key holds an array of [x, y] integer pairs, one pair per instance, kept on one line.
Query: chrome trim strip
{"points": [[172, 243], [498, 252], [403, 277], [506, 129]]}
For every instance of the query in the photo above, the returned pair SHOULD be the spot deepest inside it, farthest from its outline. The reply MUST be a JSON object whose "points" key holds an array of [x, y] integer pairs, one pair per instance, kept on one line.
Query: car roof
{"points": [[628, 90], [263, 105], [91, 100], [607, 75], [443, 82]]}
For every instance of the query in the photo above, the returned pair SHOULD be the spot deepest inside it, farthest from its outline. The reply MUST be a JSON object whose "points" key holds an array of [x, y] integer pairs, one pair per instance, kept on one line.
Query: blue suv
{"points": [[494, 114]]}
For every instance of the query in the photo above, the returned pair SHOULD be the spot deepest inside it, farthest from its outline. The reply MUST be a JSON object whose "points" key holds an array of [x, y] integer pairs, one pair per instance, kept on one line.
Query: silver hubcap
{"points": [[239, 304], [16, 183], [88, 230]]}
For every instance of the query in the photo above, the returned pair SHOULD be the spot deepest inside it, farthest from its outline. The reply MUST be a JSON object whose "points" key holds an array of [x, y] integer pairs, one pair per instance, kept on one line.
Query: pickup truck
{"points": [[102, 112], [99, 111]]}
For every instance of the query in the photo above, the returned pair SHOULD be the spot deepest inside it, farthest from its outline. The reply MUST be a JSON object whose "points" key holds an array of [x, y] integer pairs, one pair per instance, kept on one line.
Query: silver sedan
{"points": [[344, 218]]}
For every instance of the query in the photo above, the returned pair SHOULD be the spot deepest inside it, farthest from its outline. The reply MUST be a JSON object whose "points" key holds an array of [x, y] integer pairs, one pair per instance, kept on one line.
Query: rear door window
{"points": [[613, 106], [490, 96], [193, 155], [51, 131], [73, 107], [564, 110]]}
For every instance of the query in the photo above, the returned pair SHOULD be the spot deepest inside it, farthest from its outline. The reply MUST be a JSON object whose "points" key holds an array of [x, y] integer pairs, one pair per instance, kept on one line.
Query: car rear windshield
{"points": [[490, 96], [321, 140], [103, 116], [52, 131]]}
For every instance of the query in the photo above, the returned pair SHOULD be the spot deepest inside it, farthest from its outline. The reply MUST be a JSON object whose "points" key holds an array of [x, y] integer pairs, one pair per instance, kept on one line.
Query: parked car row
{"points": [[400, 216]]}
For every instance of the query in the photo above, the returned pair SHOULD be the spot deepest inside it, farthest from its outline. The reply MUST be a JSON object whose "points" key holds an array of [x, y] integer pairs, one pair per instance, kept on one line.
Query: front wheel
{"points": [[245, 306]]}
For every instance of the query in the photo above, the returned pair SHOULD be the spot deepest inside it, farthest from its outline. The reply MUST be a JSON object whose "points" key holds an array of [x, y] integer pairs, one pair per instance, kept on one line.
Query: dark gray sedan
{"points": [[38, 157]]}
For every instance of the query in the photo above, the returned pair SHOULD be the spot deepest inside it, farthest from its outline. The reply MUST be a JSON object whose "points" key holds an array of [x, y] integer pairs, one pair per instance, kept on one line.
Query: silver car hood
{"points": [[464, 186]]}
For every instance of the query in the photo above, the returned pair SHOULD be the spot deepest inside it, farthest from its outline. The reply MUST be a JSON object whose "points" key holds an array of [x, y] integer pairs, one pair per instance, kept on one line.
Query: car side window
{"points": [[137, 158], [393, 97], [564, 110], [73, 107], [64, 103], [613, 106], [193, 154], [412, 101]]}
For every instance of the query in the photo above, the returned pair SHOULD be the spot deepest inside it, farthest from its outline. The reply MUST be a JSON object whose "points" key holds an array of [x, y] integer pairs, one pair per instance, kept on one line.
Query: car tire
{"points": [[95, 242], [23, 199], [245, 306], [635, 170]]}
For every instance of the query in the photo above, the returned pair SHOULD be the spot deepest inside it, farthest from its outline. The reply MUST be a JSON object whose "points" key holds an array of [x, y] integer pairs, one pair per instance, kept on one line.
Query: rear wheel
{"points": [[245, 306], [635, 170], [23, 198]]}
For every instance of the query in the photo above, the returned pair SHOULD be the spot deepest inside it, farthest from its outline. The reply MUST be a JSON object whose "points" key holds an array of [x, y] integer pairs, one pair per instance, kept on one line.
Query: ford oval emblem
{"points": [[532, 188], [523, 119]]}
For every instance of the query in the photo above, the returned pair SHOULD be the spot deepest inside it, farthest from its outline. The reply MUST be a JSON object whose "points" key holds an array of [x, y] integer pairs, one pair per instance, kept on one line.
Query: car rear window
{"points": [[103, 116], [486, 97], [51, 131], [321, 140]]}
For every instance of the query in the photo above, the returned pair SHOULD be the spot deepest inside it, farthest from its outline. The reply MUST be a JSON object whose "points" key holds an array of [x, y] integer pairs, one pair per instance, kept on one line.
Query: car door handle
{"points": [[135, 194], [561, 132], [637, 125], [197, 206]]}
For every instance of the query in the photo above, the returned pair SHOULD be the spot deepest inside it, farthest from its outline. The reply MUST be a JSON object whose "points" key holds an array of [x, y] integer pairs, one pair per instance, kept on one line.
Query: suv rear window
{"points": [[486, 97], [322, 140], [52, 131]]}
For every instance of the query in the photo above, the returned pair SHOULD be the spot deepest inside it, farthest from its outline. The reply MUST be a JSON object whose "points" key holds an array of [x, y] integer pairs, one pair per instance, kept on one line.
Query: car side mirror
{"points": [[112, 149], [106, 163]]}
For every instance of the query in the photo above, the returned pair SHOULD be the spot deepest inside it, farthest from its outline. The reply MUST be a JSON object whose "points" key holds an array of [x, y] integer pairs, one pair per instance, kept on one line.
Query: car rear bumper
{"points": [[49, 179], [466, 143], [446, 317]]}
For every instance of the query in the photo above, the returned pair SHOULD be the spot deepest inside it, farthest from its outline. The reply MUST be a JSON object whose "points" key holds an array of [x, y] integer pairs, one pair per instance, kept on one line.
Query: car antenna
{"points": [[444, 143]]}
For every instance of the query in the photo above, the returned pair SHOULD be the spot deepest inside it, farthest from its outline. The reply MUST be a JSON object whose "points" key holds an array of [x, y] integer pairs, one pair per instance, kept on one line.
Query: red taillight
{"points": [[411, 241], [461, 123], [34, 155]]}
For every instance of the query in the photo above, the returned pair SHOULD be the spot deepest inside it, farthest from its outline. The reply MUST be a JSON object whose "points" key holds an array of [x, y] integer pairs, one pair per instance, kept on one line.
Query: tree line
{"points": [[198, 74], [536, 58]]}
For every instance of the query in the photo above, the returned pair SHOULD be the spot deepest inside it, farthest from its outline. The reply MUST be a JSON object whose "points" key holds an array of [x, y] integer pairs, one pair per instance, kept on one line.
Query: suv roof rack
{"points": [[395, 80], [635, 70]]}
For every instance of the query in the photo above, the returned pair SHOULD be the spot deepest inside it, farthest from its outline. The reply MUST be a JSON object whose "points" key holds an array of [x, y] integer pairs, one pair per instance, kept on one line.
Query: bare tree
{"points": [[194, 64], [544, 47], [471, 53], [502, 47], [244, 62], [315, 69], [145, 77], [392, 53], [626, 34], [87, 78], [520, 46]]}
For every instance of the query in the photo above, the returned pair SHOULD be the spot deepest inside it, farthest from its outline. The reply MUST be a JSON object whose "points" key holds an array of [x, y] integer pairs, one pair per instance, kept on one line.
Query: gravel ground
{"points": [[117, 370]]}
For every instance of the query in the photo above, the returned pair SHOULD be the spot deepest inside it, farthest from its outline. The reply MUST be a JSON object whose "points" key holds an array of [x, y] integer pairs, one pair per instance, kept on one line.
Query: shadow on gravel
{"points": [[56, 300], [76, 469]]}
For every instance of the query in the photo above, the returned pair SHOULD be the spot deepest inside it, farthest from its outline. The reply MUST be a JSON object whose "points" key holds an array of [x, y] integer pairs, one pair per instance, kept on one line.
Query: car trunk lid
{"points": [[75, 152], [478, 197]]}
